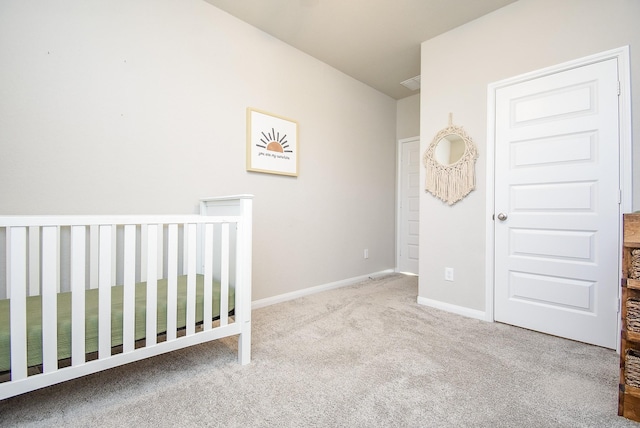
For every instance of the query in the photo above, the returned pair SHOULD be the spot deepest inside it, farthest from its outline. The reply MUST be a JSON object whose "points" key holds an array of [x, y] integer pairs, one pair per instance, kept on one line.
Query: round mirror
{"points": [[449, 149], [450, 163]]}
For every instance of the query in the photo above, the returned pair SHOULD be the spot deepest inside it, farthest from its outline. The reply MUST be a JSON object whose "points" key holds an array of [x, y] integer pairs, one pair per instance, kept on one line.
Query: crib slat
{"points": [[77, 278], [104, 293], [208, 276], [114, 252], [160, 253], [17, 266], [94, 238], [152, 284], [143, 252], [190, 232], [129, 292], [185, 249], [34, 260], [172, 281], [224, 275], [50, 255]]}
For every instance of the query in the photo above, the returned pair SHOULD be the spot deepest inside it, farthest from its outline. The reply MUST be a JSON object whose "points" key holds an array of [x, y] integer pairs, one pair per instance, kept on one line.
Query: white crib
{"points": [[149, 278]]}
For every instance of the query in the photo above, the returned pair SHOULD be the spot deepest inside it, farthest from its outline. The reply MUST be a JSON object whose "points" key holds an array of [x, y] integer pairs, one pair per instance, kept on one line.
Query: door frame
{"points": [[399, 144], [626, 161]]}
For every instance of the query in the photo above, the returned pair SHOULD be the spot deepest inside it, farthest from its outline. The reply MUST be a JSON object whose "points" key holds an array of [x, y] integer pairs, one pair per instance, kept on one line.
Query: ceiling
{"points": [[374, 41]]}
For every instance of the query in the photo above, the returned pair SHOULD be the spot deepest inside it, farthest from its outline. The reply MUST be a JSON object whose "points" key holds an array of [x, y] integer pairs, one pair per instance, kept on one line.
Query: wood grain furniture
{"points": [[629, 390]]}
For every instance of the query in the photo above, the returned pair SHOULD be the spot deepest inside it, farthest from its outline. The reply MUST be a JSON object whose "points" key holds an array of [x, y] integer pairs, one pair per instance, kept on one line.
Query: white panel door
{"points": [[409, 218], [557, 202]]}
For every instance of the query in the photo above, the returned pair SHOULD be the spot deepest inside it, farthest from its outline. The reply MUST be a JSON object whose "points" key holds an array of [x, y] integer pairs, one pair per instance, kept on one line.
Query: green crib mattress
{"points": [[34, 318]]}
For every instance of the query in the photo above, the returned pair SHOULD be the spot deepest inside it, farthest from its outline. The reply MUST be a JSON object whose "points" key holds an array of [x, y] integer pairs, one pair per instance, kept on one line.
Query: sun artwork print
{"points": [[272, 144]]}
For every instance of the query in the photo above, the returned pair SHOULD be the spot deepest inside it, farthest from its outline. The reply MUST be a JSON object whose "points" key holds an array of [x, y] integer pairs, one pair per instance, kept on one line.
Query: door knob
{"points": [[502, 216]]}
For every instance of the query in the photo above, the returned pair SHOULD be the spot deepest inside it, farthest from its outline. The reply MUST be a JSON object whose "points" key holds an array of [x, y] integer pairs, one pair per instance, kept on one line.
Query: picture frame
{"points": [[272, 143]]}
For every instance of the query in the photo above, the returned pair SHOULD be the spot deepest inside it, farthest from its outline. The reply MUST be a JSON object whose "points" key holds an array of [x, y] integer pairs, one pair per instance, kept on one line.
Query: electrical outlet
{"points": [[448, 274], [366, 253]]}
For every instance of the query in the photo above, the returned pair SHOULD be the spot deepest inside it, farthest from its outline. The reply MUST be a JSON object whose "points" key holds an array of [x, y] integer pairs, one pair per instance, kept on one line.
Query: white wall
{"points": [[138, 106], [525, 36], [408, 117]]}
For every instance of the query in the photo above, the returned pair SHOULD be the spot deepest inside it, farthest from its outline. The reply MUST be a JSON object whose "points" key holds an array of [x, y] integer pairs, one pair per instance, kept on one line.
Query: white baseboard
{"points": [[261, 303], [459, 310]]}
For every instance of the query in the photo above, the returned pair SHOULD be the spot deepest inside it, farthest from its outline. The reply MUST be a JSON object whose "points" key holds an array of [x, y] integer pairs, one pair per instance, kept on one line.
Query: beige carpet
{"points": [[361, 356]]}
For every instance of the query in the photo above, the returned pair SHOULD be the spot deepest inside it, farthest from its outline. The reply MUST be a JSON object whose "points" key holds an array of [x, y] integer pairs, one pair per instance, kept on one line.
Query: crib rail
{"points": [[47, 255]]}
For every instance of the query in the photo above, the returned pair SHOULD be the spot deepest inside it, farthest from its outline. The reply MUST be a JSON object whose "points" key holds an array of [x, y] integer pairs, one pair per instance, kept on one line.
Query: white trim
{"points": [[448, 307], [626, 161], [626, 155], [399, 191], [261, 303], [405, 273], [489, 283]]}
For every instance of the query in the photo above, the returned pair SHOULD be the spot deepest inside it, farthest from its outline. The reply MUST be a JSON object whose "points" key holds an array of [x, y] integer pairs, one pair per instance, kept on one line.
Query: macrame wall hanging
{"points": [[450, 161]]}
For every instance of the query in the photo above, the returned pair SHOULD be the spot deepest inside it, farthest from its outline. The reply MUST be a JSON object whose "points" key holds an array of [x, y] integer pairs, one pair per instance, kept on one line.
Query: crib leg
{"points": [[244, 344]]}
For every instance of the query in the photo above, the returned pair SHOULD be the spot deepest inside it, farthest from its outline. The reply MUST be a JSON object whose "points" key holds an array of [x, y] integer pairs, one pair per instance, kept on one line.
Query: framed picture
{"points": [[272, 143]]}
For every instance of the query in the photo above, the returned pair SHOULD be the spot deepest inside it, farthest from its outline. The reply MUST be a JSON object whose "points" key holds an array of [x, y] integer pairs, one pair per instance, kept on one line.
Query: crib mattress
{"points": [[34, 318]]}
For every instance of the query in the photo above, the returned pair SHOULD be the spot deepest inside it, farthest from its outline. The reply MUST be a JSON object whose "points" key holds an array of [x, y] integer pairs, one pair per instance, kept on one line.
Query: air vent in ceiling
{"points": [[413, 83]]}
